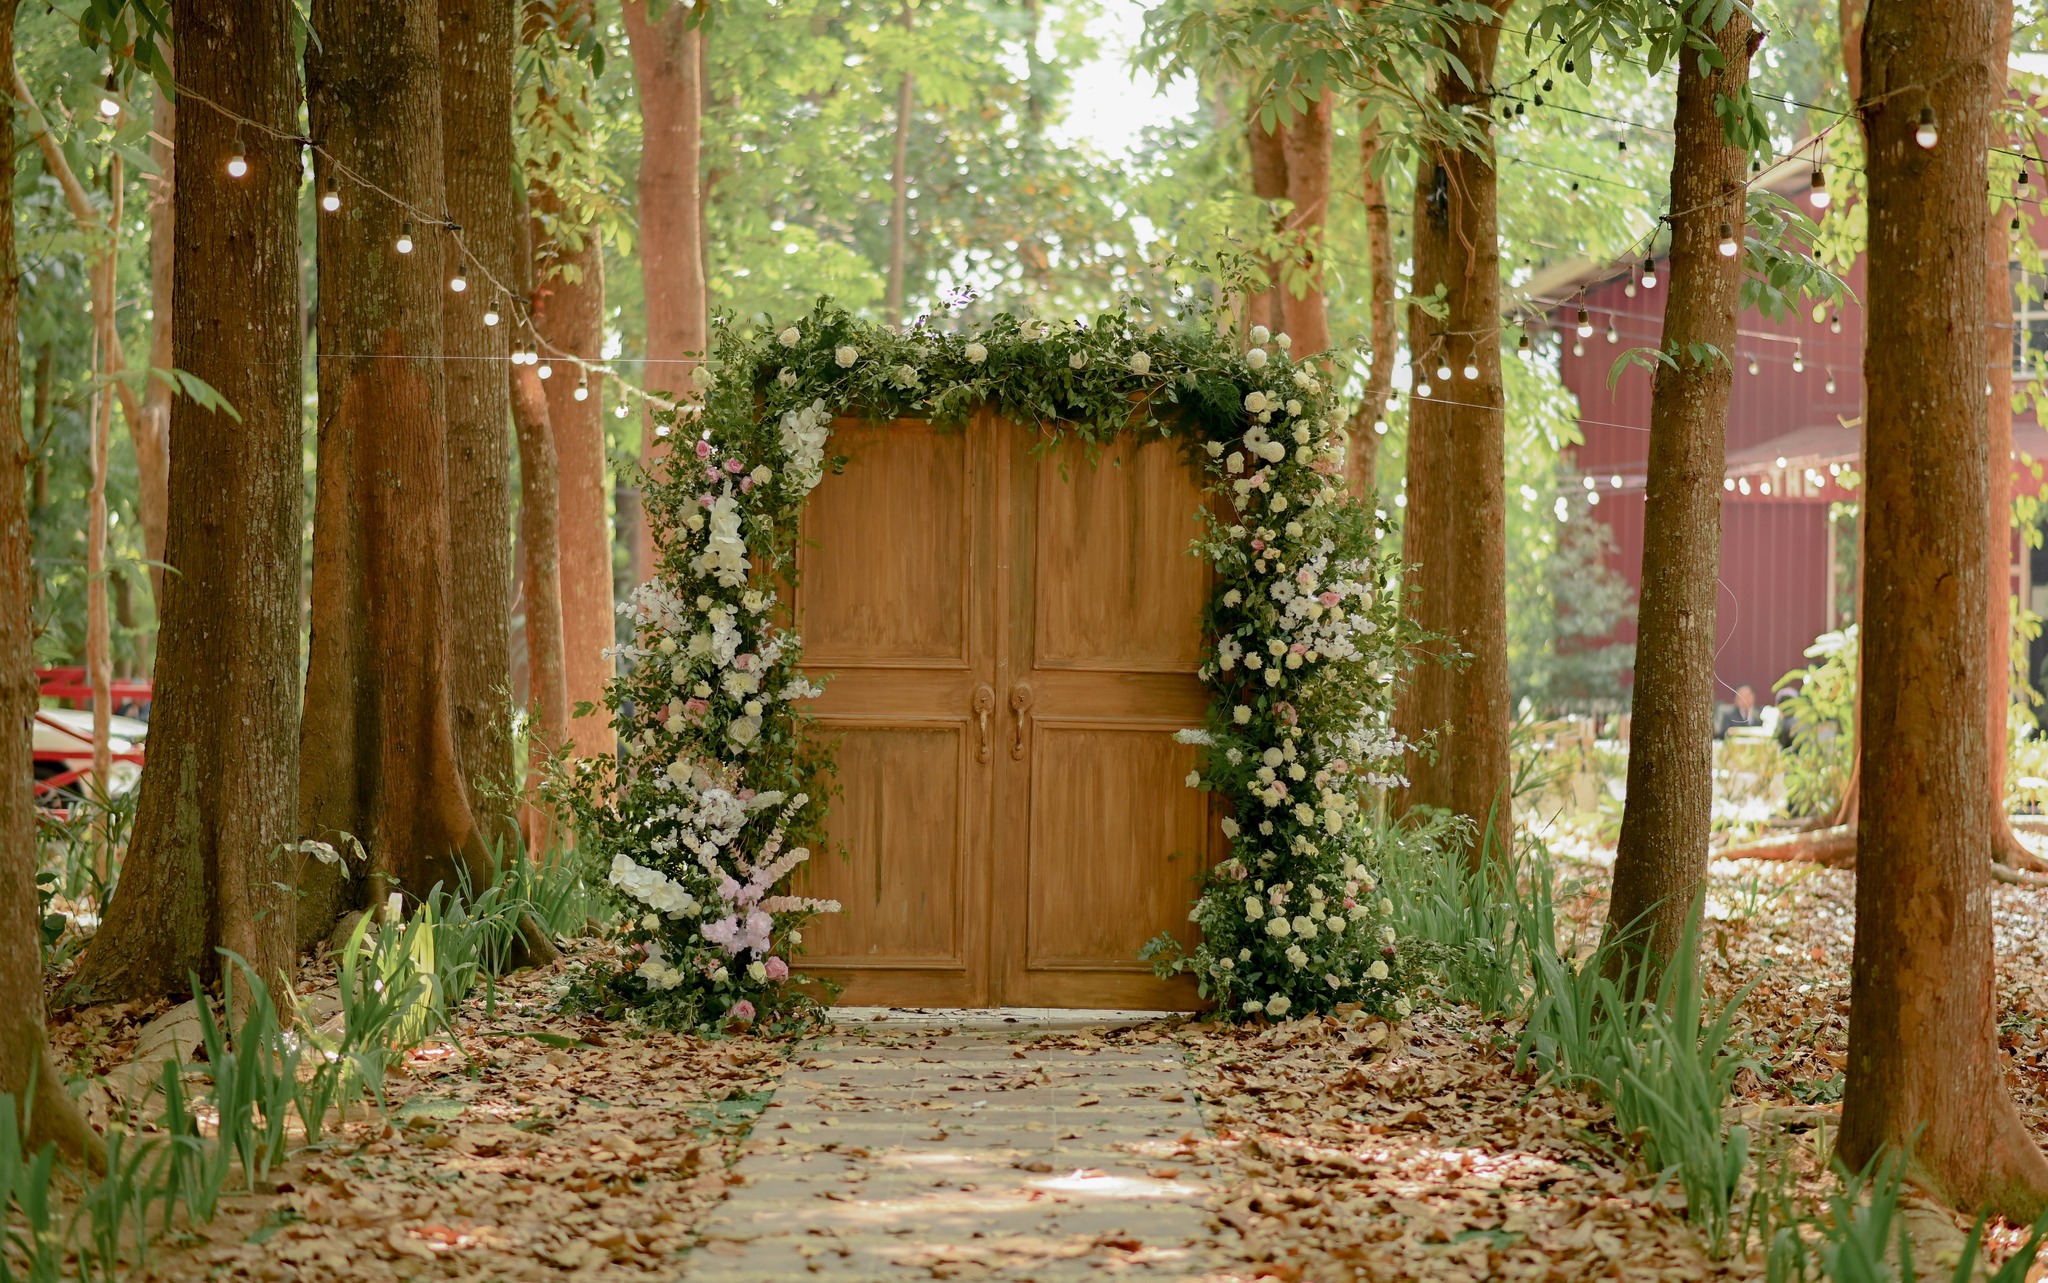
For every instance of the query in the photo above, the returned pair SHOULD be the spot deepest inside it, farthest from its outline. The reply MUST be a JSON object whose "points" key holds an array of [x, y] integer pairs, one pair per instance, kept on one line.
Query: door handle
{"points": [[984, 704], [1020, 700]]}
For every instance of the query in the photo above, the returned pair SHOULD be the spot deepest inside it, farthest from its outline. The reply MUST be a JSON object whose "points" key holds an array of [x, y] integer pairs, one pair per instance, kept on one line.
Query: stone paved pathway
{"points": [[980, 1151]]}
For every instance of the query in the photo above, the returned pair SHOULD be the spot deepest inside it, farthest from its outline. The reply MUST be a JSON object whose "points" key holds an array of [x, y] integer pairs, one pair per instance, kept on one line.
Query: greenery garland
{"points": [[710, 804]]}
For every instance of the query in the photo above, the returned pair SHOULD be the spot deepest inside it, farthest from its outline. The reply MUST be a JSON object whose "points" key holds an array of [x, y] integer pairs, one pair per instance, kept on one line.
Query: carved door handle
{"points": [[1020, 700], [984, 704]]}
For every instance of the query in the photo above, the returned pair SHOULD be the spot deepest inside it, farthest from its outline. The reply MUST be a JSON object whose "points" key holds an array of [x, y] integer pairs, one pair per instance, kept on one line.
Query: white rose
{"points": [[1078, 360], [1277, 927], [761, 474], [1402, 1006], [744, 730], [1229, 827], [846, 356], [786, 378], [791, 337], [757, 972], [975, 354], [668, 646], [1294, 407], [1260, 334], [1377, 970], [1253, 1006], [1254, 908], [1141, 363], [1278, 1004], [720, 976], [1255, 401], [1194, 780], [1283, 342], [1256, 358]]}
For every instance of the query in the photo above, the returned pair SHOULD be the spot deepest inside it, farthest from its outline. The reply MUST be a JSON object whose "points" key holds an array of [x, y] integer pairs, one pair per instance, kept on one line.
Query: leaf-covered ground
{"points": [[1339, 1149]]}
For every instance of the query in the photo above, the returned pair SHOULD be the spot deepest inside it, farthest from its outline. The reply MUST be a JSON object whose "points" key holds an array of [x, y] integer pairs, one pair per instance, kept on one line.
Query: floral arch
{"points": [[713, 802]]}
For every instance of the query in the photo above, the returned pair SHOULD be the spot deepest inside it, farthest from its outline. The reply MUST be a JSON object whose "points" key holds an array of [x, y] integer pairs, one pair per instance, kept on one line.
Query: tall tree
{"points": [[207, 867], [152, 432], [1266, 141], [477, 162], [378, 754], [1457, 504], [25, 1069], [1308, 143], [1362, 444], [899, 189], [1664, 828], [1925, 1072], [668, 75]]}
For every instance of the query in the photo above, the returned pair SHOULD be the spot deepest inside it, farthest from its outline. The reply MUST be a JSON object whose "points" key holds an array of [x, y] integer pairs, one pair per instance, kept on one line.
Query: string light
{"points": [[1752, 363], [1727, 483], [1524, 347], [331, 200], [491, 314], [1835, 323], [405, 238], [619, 412], [547, 371], [459, 282], [1819, 195], [1927, 134], [1649, 273], [1613, 335], [1728, 245], [1831, 382], [1578, 348], [1379, 426], [583, 390], [110, 106], [1443, 371], [238, 165], [1585, 324], [1798, 364], [1423, 391]]}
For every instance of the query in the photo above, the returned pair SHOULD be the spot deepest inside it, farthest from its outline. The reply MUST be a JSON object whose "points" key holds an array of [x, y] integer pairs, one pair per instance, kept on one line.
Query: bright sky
{"points": [[1110, 108]]}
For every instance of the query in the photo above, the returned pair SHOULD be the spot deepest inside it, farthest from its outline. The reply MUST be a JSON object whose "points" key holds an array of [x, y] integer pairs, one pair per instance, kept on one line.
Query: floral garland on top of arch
{"points": [[708, 807]]}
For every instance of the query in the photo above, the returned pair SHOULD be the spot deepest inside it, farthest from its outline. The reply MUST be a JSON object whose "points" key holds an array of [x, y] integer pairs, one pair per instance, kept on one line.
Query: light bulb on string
{"points": [[1649, 273], [1831, 382], [582, 392], [405, 238], [1798, 360], [1524, 347], [1585, 324], [1630, 289], [1752, 364], [1727, 483], [1615, 481], [1927, 133], [1443, 371], [110, 105], [1471, 371], [619, 410], [330, 200], [1424, 391], [1820, 196], [1578, 348], [238, 164], [459, 282], [1613, 335], [1728, 245], [491, 314], [547, 371], [1835, 323]]}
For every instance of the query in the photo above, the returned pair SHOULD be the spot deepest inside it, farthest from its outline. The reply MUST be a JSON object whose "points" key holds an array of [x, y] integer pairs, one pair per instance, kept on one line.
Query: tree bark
{"points": [[1307, 143], [25, 1069], [99, 659], [1457, 504], [1361, 458], [539, 510], [379, 757], [1924, 1066], [207, 867], [668, 75], [569, 316], [1668, 819], [478, 159], [1268, 149]]}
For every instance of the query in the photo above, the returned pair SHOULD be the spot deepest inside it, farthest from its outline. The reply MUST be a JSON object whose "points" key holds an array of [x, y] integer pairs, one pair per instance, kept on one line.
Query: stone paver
{"points": [[983, 1150]]}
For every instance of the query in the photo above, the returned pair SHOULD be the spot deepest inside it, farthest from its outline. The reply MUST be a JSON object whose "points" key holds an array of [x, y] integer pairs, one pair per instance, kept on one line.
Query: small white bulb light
{"points": [[238, 165], [1927, 133], [1819, 195], [459, 282], [619, 410], [1649, 273], [1585, 324], [330, 200], [110, 106], [1471, 370], [582, 392], [405, 238], [1728, 245], [491, 314], [1443, 372], [545, 371]]}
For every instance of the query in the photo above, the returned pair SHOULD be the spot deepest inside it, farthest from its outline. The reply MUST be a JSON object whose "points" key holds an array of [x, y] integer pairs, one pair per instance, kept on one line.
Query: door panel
{"points": [[894, 605], [1099, 839]]}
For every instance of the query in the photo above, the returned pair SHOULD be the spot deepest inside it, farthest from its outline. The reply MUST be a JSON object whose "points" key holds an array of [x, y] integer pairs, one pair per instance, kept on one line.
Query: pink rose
{"points": [[742, 1011], [1258, 545], [1350, 903], [746, 484], [777, 969], [703, 449], [705, 501], [734, 466], [1299, 648], [695, 707], [1328, 598]]}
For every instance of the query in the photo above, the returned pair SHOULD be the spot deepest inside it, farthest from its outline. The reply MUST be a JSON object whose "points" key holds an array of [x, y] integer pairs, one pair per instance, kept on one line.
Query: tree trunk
{"points": [[379, 757], [25, 1069], [1307, 143], [1924, 1066], [1361, 458], [152, 431], [540, 543], [1457, 505], [899, 187], [570, 319], [1668, 818], [668, 75], [477, 162], [1268, 149], [99, 659], [206, 868]]}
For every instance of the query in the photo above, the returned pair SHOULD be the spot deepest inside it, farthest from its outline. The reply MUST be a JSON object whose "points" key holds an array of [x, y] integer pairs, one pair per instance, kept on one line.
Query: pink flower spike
{"points": [[777, 969], [703, 449]]}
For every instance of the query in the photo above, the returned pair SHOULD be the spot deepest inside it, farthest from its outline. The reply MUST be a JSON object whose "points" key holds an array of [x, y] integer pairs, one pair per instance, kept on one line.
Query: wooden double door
{"points": [[1010, 637]]}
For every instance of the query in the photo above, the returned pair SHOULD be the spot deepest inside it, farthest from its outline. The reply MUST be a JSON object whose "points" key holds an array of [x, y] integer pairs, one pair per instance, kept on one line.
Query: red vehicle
{"points": [[63, 735]]}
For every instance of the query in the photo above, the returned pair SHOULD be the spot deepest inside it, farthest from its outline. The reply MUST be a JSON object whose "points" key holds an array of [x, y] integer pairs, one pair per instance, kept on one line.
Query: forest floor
{"points": [[538, 1145]]}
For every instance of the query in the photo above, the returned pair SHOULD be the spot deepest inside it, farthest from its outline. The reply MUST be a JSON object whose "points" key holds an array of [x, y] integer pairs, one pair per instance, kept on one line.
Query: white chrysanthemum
{"points": [[1260, 334]]}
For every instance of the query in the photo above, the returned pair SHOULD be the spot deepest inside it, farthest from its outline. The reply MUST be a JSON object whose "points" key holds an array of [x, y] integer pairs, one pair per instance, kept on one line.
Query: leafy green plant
{"points": [[33, 1238], [1822, 710]]}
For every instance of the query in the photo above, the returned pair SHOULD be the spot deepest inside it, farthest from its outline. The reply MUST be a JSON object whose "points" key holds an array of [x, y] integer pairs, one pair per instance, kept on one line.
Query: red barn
{"points": [[1793, 425]]}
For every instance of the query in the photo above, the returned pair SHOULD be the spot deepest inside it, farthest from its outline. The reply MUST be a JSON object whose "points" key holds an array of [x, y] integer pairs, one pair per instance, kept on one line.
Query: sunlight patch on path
{"points": [[974, 1148]]}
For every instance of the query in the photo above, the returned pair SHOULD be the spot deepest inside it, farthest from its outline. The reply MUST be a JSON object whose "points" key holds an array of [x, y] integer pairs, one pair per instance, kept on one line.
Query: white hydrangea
{"points": [[651, 887]]}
